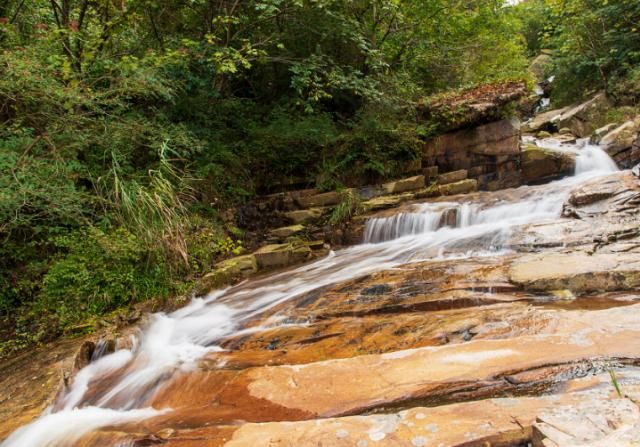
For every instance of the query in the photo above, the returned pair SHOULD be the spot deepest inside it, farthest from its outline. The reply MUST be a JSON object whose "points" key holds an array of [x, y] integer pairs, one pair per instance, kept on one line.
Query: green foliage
{"points": [[350, 205], [97, 272], [614, 381], [594, 42], [124, 132], [379, 143]]}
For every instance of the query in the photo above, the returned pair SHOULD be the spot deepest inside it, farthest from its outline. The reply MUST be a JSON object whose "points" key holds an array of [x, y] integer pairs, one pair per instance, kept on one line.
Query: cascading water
{"points": [[175, 342]]}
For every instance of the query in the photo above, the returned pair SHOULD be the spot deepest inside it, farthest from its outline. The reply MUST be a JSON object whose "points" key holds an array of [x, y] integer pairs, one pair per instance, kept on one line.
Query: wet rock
{"points": [[543, 134], [540, 164], [593, 192], [404, 185], [452, 177], [377, 289], [565, 138], [461, 187]]}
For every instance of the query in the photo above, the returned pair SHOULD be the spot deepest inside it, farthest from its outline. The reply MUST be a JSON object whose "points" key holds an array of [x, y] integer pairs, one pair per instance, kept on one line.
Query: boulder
{"points": [[461, 187], [381, 203], [304, 216], [281, 255], [619, 143], [452, 177], [599, 422], [540, 164], [430, 173], [226, 272], [285, 232], [594, 191], [407, 184], [577, 272], [565, 138], [600, 132], [316, 200], [497, 138], [471, 107], [240, 265], [545, 121], [583, 118]]}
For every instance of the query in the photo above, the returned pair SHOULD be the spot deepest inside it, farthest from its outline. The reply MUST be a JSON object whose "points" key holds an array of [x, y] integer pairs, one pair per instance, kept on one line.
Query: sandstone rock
{"points": [[381, 203], [407, 184], [461, 187], [226, 272], [281, 255], [577, 272], [565, 138], [544, 122], [594, 191], [610, 422], [564, 131], [285, 232], [543, 134], [583, 118], [452, 177], [430, 173], [472, 107], [597, 134], [620, 141], [319, 200], [541, 164], [497, 138], [304, 216]]}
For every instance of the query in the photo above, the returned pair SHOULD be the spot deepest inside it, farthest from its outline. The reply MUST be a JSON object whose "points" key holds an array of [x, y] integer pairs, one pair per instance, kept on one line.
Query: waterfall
{"points": [[176, 341], [592, 158]]}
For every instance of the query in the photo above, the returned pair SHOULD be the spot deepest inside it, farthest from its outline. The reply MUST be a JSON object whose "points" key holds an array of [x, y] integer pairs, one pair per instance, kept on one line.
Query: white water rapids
{"points": [[176, 341]]}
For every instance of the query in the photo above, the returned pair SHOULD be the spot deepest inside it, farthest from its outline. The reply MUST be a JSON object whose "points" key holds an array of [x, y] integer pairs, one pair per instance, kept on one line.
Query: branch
{"points": [[15, 15]]}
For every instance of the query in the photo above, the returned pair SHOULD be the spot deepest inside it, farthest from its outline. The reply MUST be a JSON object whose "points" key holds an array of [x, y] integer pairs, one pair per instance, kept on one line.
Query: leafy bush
{"points": [[98, 272]]}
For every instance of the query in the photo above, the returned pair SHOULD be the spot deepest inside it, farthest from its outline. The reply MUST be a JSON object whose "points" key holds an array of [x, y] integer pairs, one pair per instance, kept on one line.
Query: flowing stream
{"points": [[176, 341]]}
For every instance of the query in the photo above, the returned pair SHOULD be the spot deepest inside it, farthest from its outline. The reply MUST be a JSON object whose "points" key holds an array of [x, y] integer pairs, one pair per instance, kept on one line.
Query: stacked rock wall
{"points": [[490, 153]]}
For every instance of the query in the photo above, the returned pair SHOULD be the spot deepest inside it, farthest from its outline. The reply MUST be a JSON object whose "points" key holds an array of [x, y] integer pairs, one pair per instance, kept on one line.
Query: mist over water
{"points": [[177, 341]]}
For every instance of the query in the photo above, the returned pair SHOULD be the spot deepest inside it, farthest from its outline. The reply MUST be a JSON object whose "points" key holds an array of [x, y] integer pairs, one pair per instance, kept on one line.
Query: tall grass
{"points": [[153, 208]]}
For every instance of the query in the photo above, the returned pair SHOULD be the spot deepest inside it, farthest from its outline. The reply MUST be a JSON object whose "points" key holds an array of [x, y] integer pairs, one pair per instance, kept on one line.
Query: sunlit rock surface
{"points": [[484, 319]]}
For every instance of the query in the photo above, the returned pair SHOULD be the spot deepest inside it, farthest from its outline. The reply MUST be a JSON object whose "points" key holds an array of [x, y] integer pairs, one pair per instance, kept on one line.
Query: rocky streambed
{"points": [[505, 318]]}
